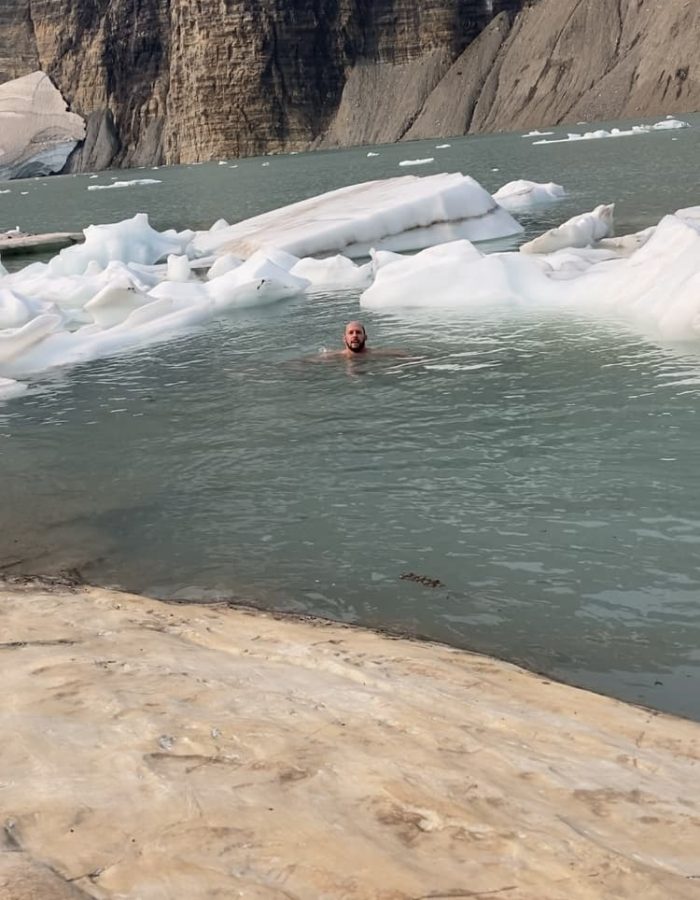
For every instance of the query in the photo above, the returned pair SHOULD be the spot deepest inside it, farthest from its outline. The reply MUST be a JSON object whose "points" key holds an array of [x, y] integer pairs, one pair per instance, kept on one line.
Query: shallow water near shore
{"points": [[526, 487]]}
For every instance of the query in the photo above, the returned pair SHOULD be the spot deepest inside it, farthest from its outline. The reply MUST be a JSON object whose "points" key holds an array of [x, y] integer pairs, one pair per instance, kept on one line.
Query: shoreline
{"points": [[173, 749]]}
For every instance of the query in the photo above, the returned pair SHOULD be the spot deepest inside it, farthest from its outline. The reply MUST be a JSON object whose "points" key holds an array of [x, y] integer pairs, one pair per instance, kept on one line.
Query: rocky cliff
{"points": [[186, 80]]}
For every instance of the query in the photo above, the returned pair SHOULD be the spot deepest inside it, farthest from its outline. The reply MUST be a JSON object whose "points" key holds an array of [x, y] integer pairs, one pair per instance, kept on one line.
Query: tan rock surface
{"points": [[158, 751], [566, 60]]}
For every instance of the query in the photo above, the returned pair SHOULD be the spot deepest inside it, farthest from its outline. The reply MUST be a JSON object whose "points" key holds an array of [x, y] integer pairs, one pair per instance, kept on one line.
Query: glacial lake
{"points": [[528, 488]]}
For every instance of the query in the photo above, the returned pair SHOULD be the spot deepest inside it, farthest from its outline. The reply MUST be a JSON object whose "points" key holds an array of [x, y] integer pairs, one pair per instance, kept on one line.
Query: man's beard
{"points": [[357, 349]]}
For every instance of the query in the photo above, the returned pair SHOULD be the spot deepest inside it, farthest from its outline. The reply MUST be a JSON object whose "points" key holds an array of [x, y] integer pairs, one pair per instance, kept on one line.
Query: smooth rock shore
{"points": [[154, 750]]}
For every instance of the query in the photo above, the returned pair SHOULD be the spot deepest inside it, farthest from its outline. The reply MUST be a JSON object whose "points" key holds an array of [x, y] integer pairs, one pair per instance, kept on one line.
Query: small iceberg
{"points": [[520, 195], [136, 182]]}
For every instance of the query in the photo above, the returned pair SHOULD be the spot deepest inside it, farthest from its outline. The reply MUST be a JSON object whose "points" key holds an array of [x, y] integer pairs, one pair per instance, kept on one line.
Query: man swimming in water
{"points": [[355, 340]]}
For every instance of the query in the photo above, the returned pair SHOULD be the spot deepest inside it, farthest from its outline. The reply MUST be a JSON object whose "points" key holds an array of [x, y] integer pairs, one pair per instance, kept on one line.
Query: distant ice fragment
{"points": [[521, 194], [670, 124], [136, 182], [417, 162], [601, 133]]}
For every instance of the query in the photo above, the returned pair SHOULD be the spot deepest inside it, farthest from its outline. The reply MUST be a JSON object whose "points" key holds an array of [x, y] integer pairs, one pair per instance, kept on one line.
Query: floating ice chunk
{"points": [[223, 264], [380, 258], [142, 276], [337, 272], [572, 261], [182, 291], [690, 214], [473, 229], [417, 162], [656, 289], [115, 303], [154, 321], [442, 146], [10, 388], [136, 182], [178, 268], [669, 124], [452, 275], [580, 231], [396, 213], [521, 194], [537, 133], [258, 281], [132, 240], [13, 310], [626, 244], [274, 255], [16, 341], [370, 154]]}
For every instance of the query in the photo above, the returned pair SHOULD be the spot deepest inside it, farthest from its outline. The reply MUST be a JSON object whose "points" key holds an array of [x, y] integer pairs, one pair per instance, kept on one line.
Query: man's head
{"points": [[355, 337]]}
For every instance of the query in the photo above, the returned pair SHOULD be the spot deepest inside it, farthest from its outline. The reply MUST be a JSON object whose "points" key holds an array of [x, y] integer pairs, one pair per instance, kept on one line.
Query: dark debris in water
{"points": [[425, 580]]}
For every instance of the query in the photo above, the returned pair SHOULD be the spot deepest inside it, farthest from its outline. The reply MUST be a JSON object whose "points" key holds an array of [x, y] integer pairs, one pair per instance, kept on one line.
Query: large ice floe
{"points": [[650, 280], [401, 214], [128, 284]]}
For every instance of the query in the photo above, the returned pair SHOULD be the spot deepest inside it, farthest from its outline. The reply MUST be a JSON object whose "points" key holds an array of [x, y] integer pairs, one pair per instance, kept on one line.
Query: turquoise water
{"points": [[527, 488]]}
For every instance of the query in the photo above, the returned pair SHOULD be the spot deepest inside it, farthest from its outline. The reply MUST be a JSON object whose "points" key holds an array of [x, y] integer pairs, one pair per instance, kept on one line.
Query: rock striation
{"points": [[174, 81]]}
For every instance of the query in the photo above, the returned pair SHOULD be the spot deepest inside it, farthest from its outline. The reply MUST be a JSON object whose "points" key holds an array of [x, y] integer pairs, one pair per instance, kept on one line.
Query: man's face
{"points": [[355, 337]]}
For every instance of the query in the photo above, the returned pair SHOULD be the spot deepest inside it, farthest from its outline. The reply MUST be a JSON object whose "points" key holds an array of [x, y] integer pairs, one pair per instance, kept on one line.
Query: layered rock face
{"points": [[565, 60], [168, 81]]}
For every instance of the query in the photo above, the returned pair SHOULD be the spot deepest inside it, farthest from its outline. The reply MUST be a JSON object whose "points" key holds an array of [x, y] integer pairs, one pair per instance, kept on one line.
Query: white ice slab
{"points": [[655, 288], [350, 220]]}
